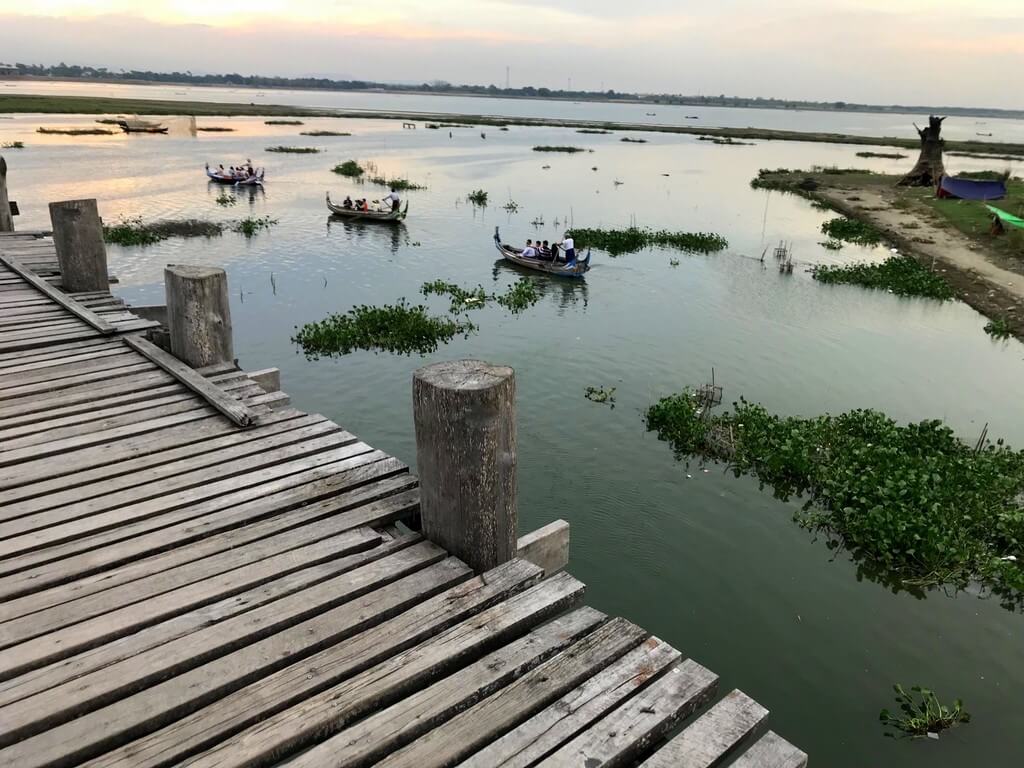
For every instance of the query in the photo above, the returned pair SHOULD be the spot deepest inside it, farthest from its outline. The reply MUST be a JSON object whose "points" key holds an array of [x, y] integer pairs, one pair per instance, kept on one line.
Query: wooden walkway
{"points": [[179, 590]]}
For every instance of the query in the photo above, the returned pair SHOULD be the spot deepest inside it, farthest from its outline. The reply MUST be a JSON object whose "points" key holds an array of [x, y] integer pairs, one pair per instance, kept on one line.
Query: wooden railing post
{"points": [[6, 220], [198, 315], [464, 413], [78, 239]]}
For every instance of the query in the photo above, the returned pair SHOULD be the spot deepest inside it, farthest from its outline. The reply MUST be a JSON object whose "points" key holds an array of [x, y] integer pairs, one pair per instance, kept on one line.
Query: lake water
{"points": [[702, 559]]}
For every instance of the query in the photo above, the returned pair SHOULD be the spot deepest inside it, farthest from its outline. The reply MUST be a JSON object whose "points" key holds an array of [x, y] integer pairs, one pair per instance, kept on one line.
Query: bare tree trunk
{"points": [[929, 168]]}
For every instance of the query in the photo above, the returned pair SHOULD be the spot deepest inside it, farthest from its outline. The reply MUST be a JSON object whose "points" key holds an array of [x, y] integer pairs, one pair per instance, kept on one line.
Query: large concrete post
{"points": [[466, 457], [6, 220], [198, 315], [78, 239]]}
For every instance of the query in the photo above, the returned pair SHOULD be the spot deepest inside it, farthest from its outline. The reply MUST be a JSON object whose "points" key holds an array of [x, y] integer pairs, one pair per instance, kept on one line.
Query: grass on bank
{"points": [[616, 242], [913, 505]]}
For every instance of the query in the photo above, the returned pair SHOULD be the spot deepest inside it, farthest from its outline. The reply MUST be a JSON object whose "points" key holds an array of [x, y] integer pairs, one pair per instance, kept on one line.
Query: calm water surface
{"points": [[704, 560]]}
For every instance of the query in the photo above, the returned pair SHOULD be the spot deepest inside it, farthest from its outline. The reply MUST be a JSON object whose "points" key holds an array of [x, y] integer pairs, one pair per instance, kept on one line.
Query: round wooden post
{"points": [[466, 457], [78, 239], [6, 220], [198, 315]]}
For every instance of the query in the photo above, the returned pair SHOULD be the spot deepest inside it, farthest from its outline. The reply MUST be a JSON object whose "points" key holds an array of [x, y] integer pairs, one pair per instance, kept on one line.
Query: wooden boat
{"points": [[354, 213], [141, 126], [576, 268], [252, 181]]}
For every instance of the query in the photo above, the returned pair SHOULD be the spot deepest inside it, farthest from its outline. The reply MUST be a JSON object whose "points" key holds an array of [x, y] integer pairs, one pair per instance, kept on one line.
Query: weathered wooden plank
{"points": [[707, 741], [84, 394], [255, 472], [238, 413], [555, 725], [509, 706], [771, 751], [401, 709], [58, 350], [85, 332], [59, 673], [59, 297], [191, 524], [156, 706], [67, 368], [80, 356], [263, 698], [92, 691], [16, 390], [52, 492]]}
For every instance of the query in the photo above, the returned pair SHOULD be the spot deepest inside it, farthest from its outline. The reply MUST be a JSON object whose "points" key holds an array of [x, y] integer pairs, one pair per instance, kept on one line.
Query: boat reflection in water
{"points": [[566, 293], [359, 229]]}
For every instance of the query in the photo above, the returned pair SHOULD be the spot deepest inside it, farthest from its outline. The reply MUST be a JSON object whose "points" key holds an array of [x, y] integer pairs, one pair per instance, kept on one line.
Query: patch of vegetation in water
{"points": [[133, 231], [349, 168], [604, 395], [519, 296], [13, 145], [224, 200], [835, 170], [282, 122], [107, 121], [628, 140], [998, 328], [592, 130], [922, 715], [399, 184], [913, 505], [477, 197], [851, 231], [294, 150], [901, 275], [621, 241], [885, 155], [250, 225], [324, 133], [569, 150], [74, 131], [831, 245], [398, 328], [214, 129], [727, 141]]}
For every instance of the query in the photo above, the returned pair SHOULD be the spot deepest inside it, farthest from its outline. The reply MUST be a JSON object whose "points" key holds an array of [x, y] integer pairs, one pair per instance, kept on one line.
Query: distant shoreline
{"points": [[89, 105], [677, 101]]}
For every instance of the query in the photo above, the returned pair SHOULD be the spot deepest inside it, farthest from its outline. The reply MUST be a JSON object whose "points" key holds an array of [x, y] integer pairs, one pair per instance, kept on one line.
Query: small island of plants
{"points": [[294, 150], [901, 275], [568, 150], [617, 242]]}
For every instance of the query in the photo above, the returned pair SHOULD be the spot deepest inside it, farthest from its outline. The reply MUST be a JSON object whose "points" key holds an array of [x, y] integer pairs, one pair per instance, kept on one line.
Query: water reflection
{"points": [[566, 292], [355, 230], [248, 194]]}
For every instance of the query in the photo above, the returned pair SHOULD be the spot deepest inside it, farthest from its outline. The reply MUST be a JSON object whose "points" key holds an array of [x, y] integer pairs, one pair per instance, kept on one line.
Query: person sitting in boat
{"points": [[554, 252], [569, 247], [364, 206], [220, 170], [347, 202], [393, 197], [529, 252], [544, 252]]}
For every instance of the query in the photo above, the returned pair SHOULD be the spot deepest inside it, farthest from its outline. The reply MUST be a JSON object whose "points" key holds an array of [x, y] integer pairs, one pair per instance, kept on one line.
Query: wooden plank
{"points": [[629, 730], [59, 350], [90, 734], [53, 294], [105, 620], [375, 647], [68, 368], [558, 723], [80, 356], [187, 525], [256, 471], [391, 717], [85, 332], [130, 367], [102, 657], [84, 394], [713, 736], [509, 706], [238, 413], [771, 751], [92, 691]]}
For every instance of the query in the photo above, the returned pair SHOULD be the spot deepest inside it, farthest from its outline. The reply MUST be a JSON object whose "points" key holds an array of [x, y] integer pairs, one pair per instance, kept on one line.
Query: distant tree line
{"points": [[63, 70]]}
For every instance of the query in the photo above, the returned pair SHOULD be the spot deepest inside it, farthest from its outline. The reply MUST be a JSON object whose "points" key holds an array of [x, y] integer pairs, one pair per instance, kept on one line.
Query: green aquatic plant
{"points": [[570, 150], [214, 129], [620, 241], [511, 206], [250, 225], [324, 133], [628, 140], [282, 122], [831, 245], [886, 155], [75, 131], [477, 197], [225, 200], [13, 145], [399, 184], [294, 150], [133, 231], [999, 328], [673, 262], [519, 296], [902, 275], [349, 168], [922, 716], [913, 505], [461, 298], [851, 231], [399, 328], [592, 130], [601, 395]]}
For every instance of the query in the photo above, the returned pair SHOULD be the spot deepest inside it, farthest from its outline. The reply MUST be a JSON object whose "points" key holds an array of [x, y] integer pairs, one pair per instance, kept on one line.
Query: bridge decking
{"points": [[179, 590]]}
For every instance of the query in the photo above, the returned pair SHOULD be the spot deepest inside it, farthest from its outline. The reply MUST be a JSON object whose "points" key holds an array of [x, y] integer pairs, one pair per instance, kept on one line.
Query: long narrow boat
{"points": [[355, 213], [141, 126], [252, 181], [575, 268]]}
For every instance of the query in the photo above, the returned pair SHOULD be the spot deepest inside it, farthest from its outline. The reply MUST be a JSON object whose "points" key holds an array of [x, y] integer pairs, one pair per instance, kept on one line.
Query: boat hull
{"points": [[352, 213], [252, 181], [575, 269]]}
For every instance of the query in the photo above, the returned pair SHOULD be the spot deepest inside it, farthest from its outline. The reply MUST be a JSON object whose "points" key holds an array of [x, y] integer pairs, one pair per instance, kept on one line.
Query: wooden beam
{"points": [[772, 751], [214, 395], [547, 547], [61, 298]]}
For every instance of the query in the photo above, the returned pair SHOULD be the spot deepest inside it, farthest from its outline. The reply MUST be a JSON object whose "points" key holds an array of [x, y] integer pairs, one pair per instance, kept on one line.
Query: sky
{"points": [[927, 52]]}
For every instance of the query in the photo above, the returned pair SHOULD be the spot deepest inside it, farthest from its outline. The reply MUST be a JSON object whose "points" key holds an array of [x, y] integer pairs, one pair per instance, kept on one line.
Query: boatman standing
{"points": [[393, 197], [569, 247]]}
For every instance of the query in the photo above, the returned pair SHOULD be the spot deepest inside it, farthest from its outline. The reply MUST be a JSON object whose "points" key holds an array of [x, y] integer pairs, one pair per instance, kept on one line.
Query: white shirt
{"points": [[392, 196], [529, 252], [568, 243]]}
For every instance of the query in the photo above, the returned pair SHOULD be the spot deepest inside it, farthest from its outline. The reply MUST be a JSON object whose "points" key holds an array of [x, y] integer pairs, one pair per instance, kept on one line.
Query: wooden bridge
{"points": [[195, 573]]}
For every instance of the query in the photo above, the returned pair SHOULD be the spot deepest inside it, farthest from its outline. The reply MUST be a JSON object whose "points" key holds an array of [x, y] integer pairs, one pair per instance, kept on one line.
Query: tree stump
{"points": [[78, 240], [6, 220], [198, 315], [464, 413], [928, 169]]}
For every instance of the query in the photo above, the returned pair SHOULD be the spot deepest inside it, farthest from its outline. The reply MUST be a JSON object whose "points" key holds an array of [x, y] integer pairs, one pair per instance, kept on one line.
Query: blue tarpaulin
{"points": [[971, 189]]}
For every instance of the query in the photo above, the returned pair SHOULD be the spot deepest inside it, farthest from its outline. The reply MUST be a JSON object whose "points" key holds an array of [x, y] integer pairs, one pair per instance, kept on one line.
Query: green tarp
{"points": [[1008, 218]]}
